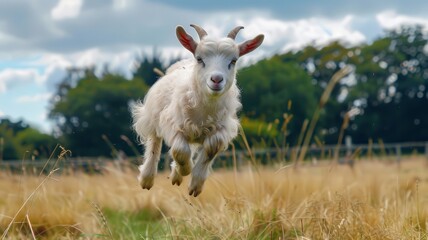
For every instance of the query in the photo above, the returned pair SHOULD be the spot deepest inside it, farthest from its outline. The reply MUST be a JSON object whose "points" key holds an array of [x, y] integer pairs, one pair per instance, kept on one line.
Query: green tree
{"points": [[36, 143], [96, 107], [9, 150], [15, 127], [18, 140], [145, 65], [392, 88], [321, 64], [270, 86]]}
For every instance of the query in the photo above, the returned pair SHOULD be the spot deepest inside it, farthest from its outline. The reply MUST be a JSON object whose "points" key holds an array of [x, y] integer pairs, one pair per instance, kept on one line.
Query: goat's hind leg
{"points": [[149, 168]]}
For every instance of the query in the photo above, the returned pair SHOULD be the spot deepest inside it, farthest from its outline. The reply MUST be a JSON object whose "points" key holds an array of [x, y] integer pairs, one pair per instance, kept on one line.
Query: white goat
{"points": [[193, 108]]}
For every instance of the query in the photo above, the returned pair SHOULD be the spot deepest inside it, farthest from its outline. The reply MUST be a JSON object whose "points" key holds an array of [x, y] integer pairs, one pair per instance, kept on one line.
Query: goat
{"points": [[193, 108]]}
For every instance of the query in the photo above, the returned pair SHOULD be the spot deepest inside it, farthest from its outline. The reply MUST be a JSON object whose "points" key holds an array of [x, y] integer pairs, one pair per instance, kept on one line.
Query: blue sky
{"points": [[40, 39]]}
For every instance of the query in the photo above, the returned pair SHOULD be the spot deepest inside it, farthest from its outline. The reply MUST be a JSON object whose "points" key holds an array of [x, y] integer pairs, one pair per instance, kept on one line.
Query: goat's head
{"points": [[216, 58]]}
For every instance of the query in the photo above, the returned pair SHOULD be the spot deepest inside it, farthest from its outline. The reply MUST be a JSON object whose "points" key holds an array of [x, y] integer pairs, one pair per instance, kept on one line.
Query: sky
{"points": [[39, 40]]}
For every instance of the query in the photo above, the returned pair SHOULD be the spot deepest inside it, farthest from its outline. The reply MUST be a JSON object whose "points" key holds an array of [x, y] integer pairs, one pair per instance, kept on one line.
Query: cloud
{"points": [[27, 23], [285, 35], [49, 69], [115, 61], [392, 20], [292, 35], [40, 97], [120, 4], [66, 9], [115, 24], [67, 26], [7, 39], [281, 35], [294, 10], [10, 78]]}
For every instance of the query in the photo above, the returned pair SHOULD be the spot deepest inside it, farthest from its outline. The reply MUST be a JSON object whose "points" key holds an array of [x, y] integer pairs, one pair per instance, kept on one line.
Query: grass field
{"points": [[374, 200]]}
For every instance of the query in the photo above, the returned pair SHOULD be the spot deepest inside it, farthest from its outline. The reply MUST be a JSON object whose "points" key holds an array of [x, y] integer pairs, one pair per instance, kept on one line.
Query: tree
{"points": [[96, 107], [392, 88], [321, 64], [18, 140], [270, 86], [8, 148], [15, 127], [145, 65], [36, 143]]}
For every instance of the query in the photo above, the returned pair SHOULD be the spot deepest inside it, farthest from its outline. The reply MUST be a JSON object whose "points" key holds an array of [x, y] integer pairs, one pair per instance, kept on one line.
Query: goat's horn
{"points": [[201, 32], [233, 33]]}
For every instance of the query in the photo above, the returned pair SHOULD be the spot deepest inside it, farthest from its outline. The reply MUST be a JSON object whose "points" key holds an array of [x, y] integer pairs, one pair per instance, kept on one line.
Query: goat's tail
{"points": [[139, 120]]}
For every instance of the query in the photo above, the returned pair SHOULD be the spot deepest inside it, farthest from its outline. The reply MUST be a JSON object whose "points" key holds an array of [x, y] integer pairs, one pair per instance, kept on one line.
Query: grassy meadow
{"points": [[372, 200]]}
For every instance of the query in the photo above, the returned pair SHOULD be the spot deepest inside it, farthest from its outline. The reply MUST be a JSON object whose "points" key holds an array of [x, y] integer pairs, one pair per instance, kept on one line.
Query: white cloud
{"points": [[40, 97], [66, 9], [7, 39], [2, 114], [120, 4], [293, 35], [51, 68], [116, 61], [281, 36], [393, 20], [10, 78], [284, 35]]}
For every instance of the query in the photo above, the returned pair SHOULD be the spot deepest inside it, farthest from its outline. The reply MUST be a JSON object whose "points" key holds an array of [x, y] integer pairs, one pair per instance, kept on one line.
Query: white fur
{"points": [[194, 120]]}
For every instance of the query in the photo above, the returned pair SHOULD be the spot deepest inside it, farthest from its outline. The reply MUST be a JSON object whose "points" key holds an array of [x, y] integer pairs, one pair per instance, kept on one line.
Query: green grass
{"points": [[139, 224]]}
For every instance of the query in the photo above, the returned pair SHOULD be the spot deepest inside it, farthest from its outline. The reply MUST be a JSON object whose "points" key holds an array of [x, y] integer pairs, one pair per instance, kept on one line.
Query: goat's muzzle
{"points": [[216, 83]]}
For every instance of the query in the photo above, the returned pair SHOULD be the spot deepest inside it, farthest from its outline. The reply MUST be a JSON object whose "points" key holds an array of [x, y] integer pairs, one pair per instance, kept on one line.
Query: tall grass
{"points": [[372, 201]]}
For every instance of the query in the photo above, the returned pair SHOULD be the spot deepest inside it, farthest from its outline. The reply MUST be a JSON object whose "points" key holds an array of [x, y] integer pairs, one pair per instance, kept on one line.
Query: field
{"points": [[373, 200]]}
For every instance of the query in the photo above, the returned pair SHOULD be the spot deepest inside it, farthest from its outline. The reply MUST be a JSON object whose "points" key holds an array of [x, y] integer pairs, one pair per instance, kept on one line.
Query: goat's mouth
{"points": [[216, 88]]}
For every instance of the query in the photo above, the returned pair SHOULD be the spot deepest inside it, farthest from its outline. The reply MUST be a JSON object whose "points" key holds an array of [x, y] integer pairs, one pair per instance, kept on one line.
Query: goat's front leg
{"points": [[206, 154], [180, 152], [149, 168]]}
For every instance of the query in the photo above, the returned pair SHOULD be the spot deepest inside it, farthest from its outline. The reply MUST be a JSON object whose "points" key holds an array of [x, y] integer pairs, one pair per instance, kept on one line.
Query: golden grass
{"points": [[372, 201]]}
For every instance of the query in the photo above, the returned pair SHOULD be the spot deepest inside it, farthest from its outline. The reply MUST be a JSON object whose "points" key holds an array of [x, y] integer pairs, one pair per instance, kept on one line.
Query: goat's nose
{"points": [[217, 78]]}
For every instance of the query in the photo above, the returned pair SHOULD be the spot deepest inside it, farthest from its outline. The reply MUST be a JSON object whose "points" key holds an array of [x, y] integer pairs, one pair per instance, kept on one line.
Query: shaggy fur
{"points": [[193, 108]]}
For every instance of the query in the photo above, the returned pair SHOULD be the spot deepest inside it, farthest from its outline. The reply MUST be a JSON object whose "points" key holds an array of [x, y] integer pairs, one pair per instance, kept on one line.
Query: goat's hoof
{"points": [[176, 178], [194, 193], [146, 182], [146, 185], [195, 188], [176, 181]]}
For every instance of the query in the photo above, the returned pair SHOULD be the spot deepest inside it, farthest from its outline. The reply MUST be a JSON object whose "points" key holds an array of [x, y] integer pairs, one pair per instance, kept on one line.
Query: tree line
{"points": [[384, 97]]}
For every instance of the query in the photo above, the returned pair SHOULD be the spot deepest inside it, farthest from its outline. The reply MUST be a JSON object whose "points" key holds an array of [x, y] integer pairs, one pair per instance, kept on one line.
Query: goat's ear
{"points": [[250, 45], [185, 39]]}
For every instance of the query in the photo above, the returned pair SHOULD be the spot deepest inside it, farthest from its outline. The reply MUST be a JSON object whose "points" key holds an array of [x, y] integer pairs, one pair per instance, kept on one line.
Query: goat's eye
{"points": [[200, 61], [232, 63]]}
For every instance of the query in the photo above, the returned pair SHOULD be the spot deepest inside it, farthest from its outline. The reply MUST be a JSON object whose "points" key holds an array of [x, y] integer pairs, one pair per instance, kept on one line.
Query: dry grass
{"points": [[372, 201]]}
